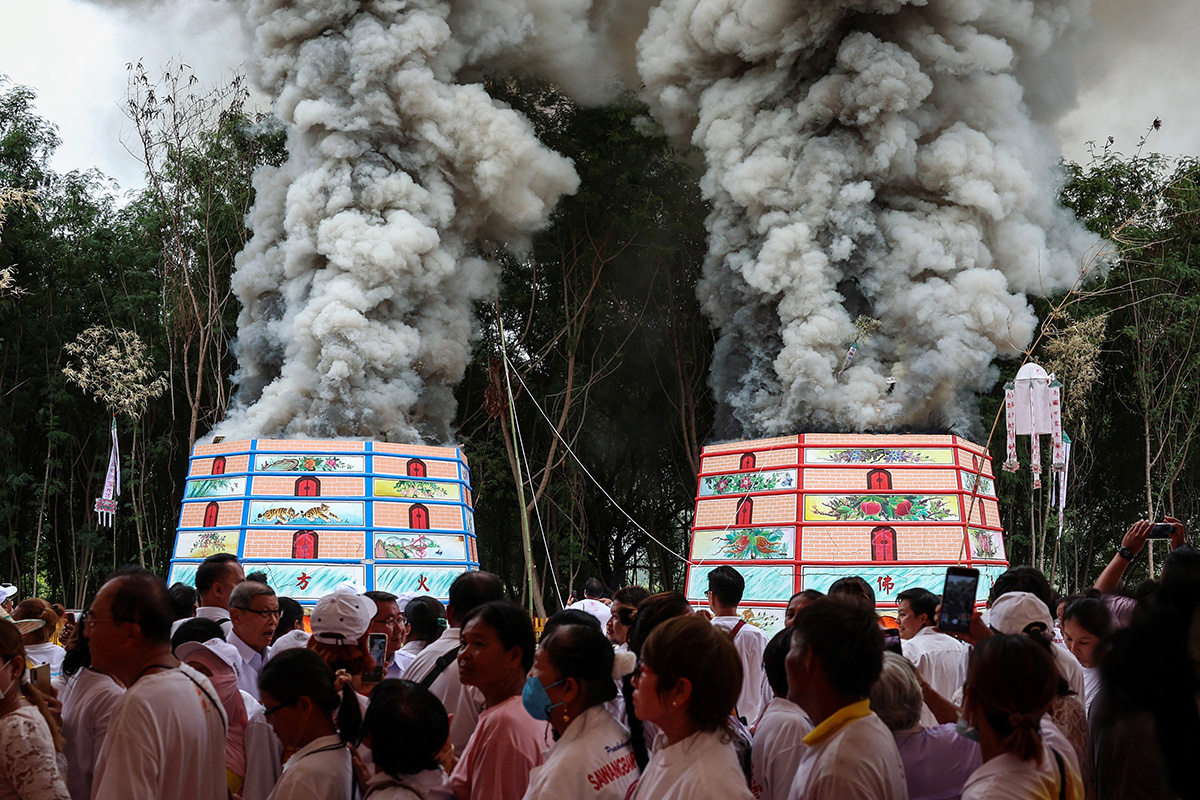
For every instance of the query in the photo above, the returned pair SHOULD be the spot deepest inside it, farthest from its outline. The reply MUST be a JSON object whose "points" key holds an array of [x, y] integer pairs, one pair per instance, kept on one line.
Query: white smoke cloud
{"points": [[875, 157], [357, 287]]}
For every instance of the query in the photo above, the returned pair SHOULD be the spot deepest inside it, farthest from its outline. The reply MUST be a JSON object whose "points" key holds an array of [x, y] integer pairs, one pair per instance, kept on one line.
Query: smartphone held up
{"points": [[958, 599]]}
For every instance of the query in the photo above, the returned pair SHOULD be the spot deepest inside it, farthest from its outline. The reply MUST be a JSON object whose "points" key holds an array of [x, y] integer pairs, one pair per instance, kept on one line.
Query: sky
{"points": [[1135, 65]]}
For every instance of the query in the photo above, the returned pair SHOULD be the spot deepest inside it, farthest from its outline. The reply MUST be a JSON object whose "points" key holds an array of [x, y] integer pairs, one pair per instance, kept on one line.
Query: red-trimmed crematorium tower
{"points": [[315, 513], [799, 512]]}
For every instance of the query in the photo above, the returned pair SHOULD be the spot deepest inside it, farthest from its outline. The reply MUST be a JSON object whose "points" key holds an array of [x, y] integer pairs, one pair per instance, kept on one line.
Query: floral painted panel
{"points": [[435, 547], [201, 488], [877, 455], [742, 482], [416, 489], [202, 544], [763, 583], [306, 514], [882, 508], [744, 544], [276, 462], [986, 544], [987, 487]]}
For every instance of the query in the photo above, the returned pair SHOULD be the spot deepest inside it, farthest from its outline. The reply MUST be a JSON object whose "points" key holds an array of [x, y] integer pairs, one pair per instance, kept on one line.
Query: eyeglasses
{"points": [[273, 709], [89, 621], [265, 613], [390, 622]]}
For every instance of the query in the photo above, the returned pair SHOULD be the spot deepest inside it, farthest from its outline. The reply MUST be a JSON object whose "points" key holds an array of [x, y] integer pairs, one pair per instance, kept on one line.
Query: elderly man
{"points": [[388, 620], [215, 578], [835, 658], [167, 734], [254, 610]]}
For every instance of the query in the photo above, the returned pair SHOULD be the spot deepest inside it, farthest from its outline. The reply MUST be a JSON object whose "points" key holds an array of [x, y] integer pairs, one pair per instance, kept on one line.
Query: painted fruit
{"points": [[902, 508], [871, 508]]}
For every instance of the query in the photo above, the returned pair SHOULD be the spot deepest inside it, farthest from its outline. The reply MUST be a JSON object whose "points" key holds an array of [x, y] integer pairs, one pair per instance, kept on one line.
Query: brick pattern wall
{"points": [[332, 484], [904, 479], [395, 515], [764, 460], [277, 543], [853, 542], [742, 447], [768, 510], [230, 513], [386, 466]]}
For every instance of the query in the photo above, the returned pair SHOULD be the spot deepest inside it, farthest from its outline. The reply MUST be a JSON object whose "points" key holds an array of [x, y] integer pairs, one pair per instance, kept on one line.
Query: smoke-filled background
{"points": [[877, 158], [882, 158]]}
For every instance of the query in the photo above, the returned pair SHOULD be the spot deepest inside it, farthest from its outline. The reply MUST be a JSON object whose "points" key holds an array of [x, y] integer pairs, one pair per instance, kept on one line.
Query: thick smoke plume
{"points": [[357, 287], [884, 158]]}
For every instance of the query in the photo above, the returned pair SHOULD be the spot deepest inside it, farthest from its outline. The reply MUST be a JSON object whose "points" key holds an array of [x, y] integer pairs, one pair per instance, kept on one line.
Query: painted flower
{"points": [[309, 464], [745, 483], [722, 484]]}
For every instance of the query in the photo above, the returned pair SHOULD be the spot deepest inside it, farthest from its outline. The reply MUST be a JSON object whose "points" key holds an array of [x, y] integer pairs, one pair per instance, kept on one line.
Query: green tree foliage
{"points": [[81, 263], [1128, 351], [604, 336]]}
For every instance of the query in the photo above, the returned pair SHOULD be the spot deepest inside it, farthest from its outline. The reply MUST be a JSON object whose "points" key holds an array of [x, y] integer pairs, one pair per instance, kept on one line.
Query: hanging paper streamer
{"points": [[1061, 483], [106, 504], [865, 326], [1033, 407]]}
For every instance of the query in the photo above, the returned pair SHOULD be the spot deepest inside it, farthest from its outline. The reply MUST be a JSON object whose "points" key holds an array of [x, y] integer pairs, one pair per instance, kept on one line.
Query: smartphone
{"points": [[377, 647], [40, 676], [958, 599], [1161, 530], [71, 617], [891, 641]]}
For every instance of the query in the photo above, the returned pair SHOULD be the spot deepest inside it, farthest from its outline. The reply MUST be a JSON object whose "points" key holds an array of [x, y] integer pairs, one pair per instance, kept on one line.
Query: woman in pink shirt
{"points": [[497, 650]]}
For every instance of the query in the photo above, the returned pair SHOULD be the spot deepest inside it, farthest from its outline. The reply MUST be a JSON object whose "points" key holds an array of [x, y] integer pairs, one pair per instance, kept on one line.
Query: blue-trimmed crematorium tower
{"points": [[313, 513]]}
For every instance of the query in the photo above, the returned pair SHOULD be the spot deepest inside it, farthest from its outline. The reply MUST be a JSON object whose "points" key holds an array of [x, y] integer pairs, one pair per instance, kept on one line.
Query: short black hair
{"points": [[511, 624], [377, 597], [290, 612], [727, 585], [592, 587], [212, 569], [1091, 614], [140, 597], [569, 616], [408, 727], [847, 641], [257, 576], [584, 653], [426, 617], [1024, 579], [775, 661], [921, 601], [630, 596], [301, 672], [471, 590], [196, 629], [183, 600], [855, 587]]}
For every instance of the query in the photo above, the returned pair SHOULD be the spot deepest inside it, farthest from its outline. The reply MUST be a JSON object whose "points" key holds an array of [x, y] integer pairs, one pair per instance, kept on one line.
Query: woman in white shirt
{"points": [[299, 699], [687, 684], [1011, 682], [29, 737], [1087, 624], [408, 731], [569, 684]]}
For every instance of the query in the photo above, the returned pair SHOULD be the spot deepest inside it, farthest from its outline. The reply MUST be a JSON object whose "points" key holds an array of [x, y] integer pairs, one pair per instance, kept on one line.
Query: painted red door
{"points": [[418, 517], [883, 544], [747, 461], [218, 467], [415, 468], [210, 514], [745, 511], [879, 480], [304, 544], [308, 487]]}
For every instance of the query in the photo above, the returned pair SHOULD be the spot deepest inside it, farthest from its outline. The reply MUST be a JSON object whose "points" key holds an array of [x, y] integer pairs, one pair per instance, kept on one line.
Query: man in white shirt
{"points": [[388, 620], [166, 737], [725, 588], [254, 611], [779, 735], [436, 667], [835, 658], [592, 604], [216, 577], [939, 658]]}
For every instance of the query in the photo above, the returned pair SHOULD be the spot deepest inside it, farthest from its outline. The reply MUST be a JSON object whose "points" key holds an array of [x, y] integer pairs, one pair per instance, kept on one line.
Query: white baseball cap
{"points": [[7, 590], [1013, 612], [342, 618], [292, 640], [352, 586], [219, 648]]}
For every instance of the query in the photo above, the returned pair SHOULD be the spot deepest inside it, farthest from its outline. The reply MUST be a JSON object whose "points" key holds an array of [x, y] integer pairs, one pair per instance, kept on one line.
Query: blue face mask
{"points": [[966, 730], [536, 701]]}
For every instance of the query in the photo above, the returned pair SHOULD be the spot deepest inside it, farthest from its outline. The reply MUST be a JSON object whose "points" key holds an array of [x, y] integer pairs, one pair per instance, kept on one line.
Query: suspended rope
{"points": [[591, 477]]}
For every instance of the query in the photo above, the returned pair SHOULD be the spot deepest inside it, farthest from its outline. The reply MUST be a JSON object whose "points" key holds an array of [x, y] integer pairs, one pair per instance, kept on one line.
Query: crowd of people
{"points": [[226, 690]]}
